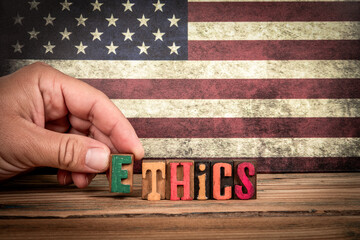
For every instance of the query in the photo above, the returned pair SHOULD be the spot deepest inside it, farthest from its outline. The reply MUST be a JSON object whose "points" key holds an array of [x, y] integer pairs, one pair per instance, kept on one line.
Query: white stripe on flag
{"points": [[272, 69], [274, 30], [250, 147], [238, 108]]}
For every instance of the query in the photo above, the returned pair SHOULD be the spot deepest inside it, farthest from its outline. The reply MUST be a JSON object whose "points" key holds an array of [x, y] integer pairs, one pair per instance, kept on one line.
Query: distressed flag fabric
{"points": [[268, 80]]}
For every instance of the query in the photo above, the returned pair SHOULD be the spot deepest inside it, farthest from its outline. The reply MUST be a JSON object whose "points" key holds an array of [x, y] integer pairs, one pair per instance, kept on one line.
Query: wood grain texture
{"points": [[293, 206], [325, 227], [310, 194], [153, 180]]}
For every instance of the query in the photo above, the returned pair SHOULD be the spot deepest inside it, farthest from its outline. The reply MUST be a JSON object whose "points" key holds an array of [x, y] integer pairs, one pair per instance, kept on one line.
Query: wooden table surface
{"points": [[295, 206]]}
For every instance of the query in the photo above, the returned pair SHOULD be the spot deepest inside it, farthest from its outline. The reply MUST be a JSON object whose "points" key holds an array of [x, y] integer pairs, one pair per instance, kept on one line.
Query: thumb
{"points": [[69, 152]]}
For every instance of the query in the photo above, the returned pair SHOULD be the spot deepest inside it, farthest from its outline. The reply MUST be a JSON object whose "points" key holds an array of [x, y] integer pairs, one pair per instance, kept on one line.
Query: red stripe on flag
{"points": [[275, 50], [227, 88], [246, 127], [298, 164], [273, 11]]}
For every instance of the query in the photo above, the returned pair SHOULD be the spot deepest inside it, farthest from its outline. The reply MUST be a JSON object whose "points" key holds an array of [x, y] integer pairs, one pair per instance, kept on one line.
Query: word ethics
{"points": [[182, 179]]}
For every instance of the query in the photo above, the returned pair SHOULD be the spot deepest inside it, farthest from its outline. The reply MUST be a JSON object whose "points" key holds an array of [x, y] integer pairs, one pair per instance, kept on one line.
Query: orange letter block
{"points": [[222, 182], [153, 171]]}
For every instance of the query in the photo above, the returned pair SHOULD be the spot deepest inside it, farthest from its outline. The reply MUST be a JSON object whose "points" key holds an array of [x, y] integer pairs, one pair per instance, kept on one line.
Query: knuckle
{"points": [[37, 68], [39, 65], [68, 152]]}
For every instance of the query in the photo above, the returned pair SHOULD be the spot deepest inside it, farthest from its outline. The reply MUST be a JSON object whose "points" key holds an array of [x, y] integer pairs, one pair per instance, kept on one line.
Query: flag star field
{"points": [[119, 30]]}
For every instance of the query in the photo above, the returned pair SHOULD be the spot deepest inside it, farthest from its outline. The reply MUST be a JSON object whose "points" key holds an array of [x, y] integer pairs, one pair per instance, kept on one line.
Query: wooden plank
{"points": [[278, 195], [326, 227]]}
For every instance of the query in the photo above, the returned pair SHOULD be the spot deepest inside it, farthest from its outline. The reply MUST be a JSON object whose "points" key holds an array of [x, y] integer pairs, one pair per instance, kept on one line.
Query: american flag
{"points": [[276, 81]]}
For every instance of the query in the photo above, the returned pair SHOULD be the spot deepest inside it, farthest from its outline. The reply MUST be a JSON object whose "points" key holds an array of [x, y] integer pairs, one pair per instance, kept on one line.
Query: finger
{"points": [[91, 176], [88, 103], [69, 152], [108, 175], [64, 177], [98, 135], [87, 127], [79, 124], [82, 180], [74, 131]]}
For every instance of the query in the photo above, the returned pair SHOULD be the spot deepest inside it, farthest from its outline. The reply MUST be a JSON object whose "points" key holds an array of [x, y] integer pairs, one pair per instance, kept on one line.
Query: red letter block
{"points": [[222, 180], [180, 180], [245, 180]]}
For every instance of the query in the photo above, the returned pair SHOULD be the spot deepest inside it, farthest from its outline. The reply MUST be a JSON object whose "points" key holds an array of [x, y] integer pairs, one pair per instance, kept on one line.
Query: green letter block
{"points": [[121, 173]]}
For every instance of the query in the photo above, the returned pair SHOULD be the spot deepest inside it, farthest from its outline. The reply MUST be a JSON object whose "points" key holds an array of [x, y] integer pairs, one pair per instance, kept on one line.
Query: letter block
{"points": [[153, 179], [180, 179], [245, 179], [121, 173], [202, 180], [222, 180]]}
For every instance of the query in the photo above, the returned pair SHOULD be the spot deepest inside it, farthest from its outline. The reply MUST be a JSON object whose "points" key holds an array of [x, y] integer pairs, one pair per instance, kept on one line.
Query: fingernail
{"points": [[97, 159]]}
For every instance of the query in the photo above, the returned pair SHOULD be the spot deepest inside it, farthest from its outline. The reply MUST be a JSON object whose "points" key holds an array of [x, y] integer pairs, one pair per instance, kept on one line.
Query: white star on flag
{"points": [[81, 48], [65, 5], [65, 34], [96, 35], [143, 20], [18, 19], [112, 48], [143, 48], [49, 47], [49, 20], [173, 21], [128, 6], [33, 34], [173, 49], [158, 6], [128, 35], [158, 35], [33, 5], [81, 20], [112, 21], [96, 5], [17, 47]]}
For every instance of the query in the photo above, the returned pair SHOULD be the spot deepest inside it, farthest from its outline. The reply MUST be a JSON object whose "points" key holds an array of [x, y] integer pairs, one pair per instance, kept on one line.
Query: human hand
{"points": [[51, 119]]}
